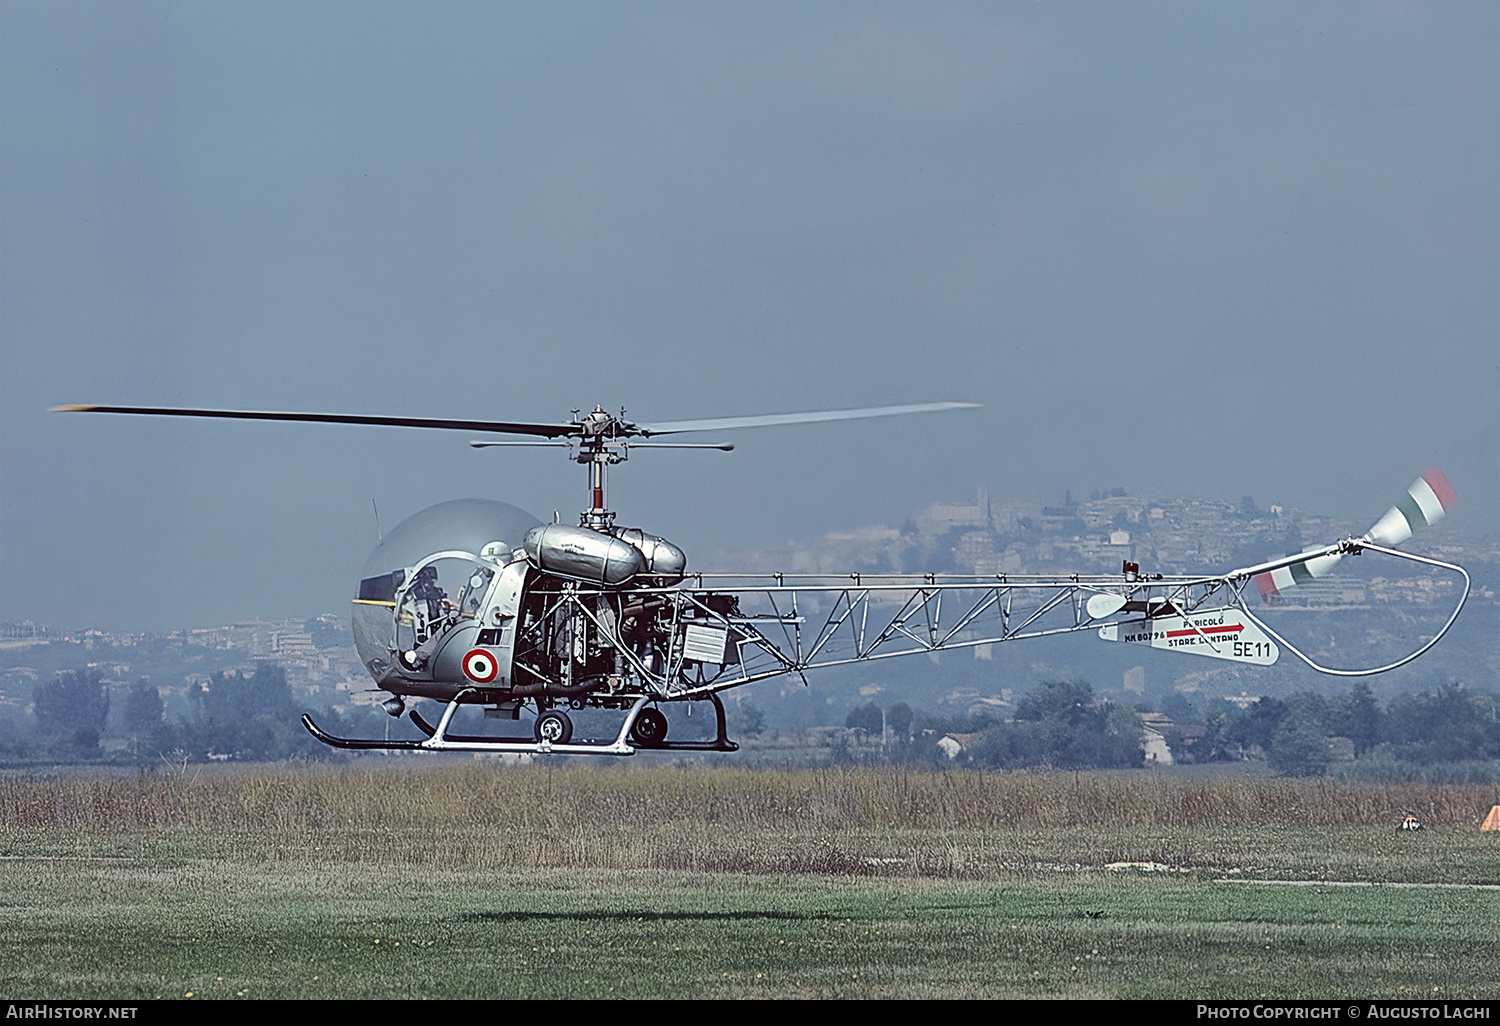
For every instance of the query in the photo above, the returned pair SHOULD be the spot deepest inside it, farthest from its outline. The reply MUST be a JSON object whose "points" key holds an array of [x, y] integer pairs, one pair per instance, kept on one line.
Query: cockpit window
{"points": [[425, 607], [474, 591], [462, 544]]}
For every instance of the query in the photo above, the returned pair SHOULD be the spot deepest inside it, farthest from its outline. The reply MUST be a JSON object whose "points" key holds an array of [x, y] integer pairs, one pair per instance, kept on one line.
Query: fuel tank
{"points": [[663, 559], [583, 555]]}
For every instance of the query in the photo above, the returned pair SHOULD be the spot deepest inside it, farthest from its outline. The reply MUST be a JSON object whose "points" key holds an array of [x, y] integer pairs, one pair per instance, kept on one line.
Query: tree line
{"points": [[1058, 725], [233, 715], [1062, 725]]}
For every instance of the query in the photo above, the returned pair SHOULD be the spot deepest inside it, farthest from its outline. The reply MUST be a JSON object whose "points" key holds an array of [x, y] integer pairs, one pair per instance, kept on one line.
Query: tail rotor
{"points": [[1428, 499]]}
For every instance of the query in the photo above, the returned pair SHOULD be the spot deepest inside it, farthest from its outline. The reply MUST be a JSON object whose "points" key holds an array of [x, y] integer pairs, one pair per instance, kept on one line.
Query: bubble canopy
{"points": [[430, 572], [463, 525]]}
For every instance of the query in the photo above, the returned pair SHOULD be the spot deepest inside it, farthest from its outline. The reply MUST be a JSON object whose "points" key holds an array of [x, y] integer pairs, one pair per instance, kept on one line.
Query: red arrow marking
{"points": [[1208, 630]]}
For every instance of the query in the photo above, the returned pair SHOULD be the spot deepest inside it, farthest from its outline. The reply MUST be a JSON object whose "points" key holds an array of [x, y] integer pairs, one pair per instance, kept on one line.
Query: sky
{"points": [[1237, 249]]}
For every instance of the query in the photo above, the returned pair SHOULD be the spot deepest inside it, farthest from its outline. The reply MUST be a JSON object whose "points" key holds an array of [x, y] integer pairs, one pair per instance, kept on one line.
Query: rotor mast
{"points": [[601, 442]]}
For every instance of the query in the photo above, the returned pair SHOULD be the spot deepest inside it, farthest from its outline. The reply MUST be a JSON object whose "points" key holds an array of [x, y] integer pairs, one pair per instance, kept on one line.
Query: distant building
{"points": [[1154, 740], [1160, 733], [293, 644], [974, 547], [952, 744], [935, 520]]}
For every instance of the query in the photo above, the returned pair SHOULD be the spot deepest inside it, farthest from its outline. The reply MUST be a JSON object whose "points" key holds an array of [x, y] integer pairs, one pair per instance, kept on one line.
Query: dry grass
{"points": [[866, 822], [417, 878], [539, 797]]}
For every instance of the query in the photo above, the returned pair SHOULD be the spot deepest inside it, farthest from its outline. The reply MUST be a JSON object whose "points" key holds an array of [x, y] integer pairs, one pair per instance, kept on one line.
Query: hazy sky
{"points": [[1237, 249]]}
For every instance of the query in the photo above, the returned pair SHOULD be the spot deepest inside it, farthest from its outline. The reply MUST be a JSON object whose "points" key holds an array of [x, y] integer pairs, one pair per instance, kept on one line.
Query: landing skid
{"points": [[440, 740]]}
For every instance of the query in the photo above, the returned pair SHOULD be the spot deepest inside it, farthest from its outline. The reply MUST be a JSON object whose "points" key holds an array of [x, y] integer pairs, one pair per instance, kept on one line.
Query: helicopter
{"points": [[475, 602]]}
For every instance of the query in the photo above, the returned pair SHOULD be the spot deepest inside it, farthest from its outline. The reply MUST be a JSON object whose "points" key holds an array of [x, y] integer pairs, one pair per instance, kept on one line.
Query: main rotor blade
{"points": [[769, 419], [499, 427]]}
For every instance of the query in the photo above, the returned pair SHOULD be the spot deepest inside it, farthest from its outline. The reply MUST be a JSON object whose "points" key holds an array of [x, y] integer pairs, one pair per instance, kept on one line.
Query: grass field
{"points": [[476, 881]]}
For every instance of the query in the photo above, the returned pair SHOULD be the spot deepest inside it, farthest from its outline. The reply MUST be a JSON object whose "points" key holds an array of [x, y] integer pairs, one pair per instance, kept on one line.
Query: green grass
{"points": [[477, 882]]}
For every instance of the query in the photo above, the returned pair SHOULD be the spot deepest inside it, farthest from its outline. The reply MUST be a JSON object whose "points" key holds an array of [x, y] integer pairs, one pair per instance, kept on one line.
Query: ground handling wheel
{"points": [[554, 727], [650, 729]]}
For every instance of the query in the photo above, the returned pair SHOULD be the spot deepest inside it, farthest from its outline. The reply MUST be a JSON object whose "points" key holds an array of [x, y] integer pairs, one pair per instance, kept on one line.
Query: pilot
{"points": [[425, 588]]}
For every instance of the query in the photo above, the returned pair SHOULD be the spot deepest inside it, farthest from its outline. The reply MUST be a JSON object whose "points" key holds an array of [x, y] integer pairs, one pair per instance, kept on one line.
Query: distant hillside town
{"points": [[1097, 536], [317, 656]]}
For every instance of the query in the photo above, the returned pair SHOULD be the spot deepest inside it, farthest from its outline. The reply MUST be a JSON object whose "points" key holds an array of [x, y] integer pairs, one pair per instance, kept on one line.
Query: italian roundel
{"points": [[480, 666]]}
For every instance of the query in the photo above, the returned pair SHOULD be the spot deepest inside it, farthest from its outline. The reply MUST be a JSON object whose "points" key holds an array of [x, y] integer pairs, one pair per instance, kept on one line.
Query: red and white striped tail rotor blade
{"points": [[1425, 502], [1272, 583]]}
